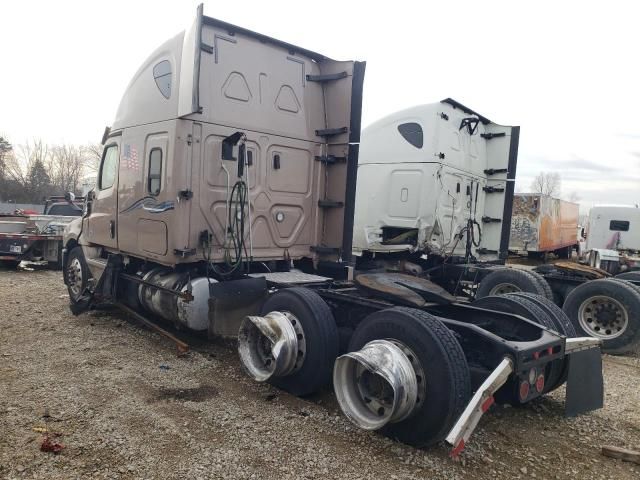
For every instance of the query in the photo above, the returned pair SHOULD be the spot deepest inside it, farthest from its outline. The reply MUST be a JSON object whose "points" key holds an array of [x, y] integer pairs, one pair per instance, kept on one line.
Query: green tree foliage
{"points": [[39, 181], [5, 150]]}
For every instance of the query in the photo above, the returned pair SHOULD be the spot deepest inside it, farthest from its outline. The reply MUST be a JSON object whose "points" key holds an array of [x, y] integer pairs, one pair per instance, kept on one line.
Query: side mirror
{"points": [[69, 196], [91, 195]]}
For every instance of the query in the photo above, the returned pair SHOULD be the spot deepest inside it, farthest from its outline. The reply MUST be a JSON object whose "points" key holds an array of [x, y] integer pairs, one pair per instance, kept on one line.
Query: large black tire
{"points": [[542, 282], [76, 275], [632, 276], [531, 310], [560, 319], [509, 280], [598, 308], [321, 337], [562, 324], [448, 387]]}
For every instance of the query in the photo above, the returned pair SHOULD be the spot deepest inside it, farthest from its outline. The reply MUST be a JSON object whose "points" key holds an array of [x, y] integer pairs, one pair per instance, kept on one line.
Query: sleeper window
{"points": [[108, 167], [155, 171], [412, 133], [619, 225], [162, 76]]}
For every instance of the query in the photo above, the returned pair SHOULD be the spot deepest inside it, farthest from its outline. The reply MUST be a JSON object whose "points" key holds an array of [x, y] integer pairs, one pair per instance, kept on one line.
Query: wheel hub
{"points": [[74, 277], [504, 288], [603, 317], [381, 383], [271, 346]]}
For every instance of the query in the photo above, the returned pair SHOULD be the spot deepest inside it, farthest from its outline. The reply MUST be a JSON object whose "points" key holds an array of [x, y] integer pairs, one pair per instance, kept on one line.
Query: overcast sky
{"points": [[566, 72]]}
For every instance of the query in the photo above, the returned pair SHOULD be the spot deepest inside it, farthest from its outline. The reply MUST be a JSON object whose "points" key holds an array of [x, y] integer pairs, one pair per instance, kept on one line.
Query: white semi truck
{"points": [[225, 204], [434, 199], [613, 239]]}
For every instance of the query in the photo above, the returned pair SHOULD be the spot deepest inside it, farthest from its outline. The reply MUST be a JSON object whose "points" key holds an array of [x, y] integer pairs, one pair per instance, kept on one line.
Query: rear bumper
{"points": [[584, 391]]}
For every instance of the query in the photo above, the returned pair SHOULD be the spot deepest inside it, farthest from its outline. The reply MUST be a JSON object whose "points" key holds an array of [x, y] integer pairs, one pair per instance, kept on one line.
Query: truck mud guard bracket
{"points": [[479, 404], [491, 189]]}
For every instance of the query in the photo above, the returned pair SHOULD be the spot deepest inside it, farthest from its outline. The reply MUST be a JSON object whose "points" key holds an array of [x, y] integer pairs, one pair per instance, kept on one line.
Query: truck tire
{"points": [[543, 283], [608, 309], [448, 387], [321, 337], [632, 276], [560, 319], [531, 310], [563, 327], [509, 280], [76, 274]]}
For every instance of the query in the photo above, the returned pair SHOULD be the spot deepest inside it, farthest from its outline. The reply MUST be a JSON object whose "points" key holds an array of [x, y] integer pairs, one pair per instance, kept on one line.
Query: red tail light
{"points": [[524, 390]]}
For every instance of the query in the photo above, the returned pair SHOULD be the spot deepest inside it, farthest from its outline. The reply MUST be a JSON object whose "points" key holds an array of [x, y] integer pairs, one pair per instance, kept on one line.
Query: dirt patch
{"points": [[195, 394]]}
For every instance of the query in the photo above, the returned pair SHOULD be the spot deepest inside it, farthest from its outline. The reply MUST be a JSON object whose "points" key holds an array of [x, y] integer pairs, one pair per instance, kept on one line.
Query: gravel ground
{"points": [[126, 407]]}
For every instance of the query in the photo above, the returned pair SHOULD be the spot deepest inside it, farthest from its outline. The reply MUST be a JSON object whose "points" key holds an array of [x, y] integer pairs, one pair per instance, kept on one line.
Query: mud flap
{"points": [[231, 301], [585, 386]]}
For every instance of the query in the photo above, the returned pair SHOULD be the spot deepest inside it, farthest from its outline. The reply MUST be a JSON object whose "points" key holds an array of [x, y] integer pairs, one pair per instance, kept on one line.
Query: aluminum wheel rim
{"points": [[603, 317], [504, 288], [74, 277], [273, 345], [367, 397]]}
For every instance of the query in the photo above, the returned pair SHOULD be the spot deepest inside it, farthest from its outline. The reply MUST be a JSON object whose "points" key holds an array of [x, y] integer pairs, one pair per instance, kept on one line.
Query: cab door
{"points": [[104, 208]]}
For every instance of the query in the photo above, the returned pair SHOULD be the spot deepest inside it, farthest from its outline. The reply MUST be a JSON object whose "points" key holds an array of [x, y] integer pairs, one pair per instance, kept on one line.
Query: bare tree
{"points": [[93, 156], [34, 170], [18, 166], [547, 183], [66, 167]]}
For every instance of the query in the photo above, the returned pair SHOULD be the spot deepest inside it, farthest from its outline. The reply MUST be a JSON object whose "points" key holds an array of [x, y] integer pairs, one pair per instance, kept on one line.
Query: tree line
{"points": [[35, 170]]}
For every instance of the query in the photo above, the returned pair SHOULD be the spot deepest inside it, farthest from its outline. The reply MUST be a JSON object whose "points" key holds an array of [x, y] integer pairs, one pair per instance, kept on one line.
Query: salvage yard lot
{"points": [[127, 407]]}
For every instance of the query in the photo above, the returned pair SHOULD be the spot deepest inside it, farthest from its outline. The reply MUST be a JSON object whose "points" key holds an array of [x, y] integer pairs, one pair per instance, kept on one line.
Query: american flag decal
{"points": [[130, 158]]}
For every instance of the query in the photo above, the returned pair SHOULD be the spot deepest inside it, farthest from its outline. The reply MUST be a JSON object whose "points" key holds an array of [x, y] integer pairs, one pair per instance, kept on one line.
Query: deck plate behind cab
{"points": [[405, 289]]}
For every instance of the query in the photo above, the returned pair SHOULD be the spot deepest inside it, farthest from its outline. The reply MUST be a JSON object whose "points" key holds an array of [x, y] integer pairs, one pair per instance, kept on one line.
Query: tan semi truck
{"points": [[225, 204]]}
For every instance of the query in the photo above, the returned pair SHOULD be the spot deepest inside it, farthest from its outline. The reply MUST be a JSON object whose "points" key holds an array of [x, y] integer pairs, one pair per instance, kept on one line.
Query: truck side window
{"points": [[412, 133], [619, 225], [155, 171], [107, 175]]}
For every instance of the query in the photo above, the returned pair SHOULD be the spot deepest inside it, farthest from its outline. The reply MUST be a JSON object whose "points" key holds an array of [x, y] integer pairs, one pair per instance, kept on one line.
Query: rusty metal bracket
{"points": [[181, 347]]}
